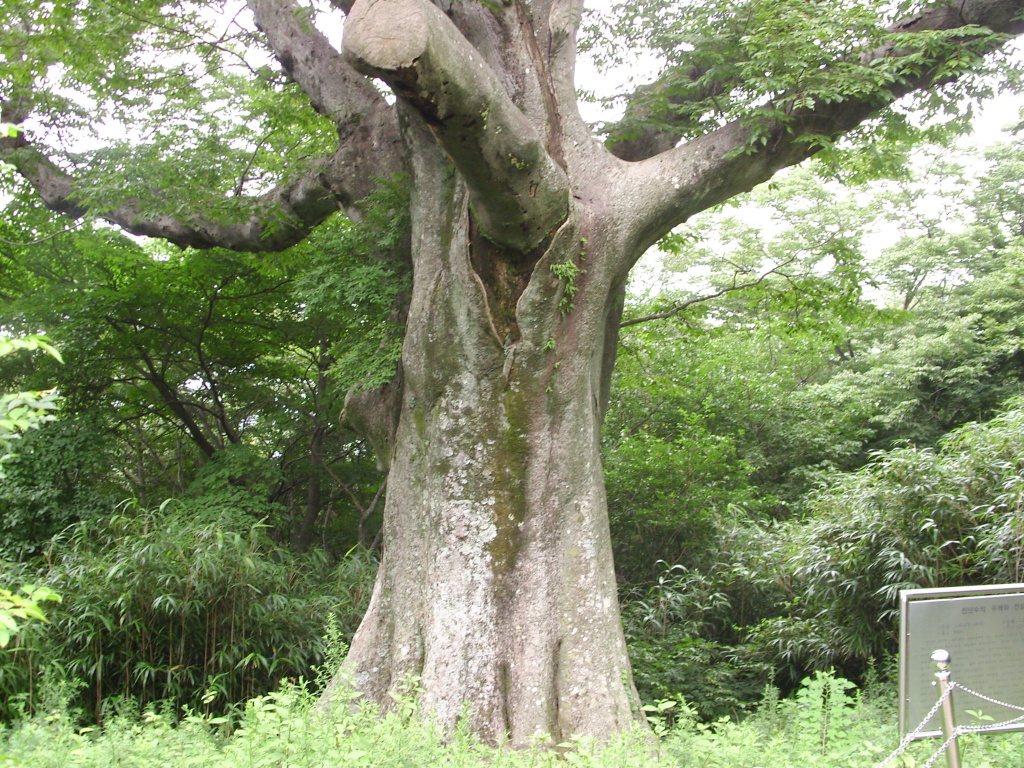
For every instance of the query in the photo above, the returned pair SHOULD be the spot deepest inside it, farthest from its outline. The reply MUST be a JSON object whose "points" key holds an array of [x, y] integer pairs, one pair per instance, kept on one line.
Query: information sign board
{"points": [[983, 630]]}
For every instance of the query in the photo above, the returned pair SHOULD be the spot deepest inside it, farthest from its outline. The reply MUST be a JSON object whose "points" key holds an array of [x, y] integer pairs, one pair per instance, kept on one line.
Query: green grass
{"points": [[826, 724]]}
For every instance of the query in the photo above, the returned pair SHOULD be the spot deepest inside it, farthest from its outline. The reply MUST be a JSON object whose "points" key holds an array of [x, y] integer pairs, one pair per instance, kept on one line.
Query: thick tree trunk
{"points": [[496, 588]]}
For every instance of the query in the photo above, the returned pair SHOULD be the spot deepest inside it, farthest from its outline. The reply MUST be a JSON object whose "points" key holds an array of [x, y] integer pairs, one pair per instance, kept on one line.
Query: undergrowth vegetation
{"points": [[188, 604], [828, 724], [194, 604], [777, 600]]}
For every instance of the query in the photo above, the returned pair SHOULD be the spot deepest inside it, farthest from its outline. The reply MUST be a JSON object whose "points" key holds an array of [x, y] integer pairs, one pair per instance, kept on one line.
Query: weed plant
{"points": [[828, 724]]}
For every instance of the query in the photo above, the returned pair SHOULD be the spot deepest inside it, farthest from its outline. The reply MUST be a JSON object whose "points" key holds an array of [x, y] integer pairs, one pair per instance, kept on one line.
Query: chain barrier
{"points": [[910, 736], [959, 730], [945, 745], [990, 726], [989, 699]]}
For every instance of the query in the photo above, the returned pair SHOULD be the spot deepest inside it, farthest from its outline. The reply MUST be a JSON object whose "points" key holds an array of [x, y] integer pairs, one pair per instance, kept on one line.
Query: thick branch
{"points": [[273, 221], [636, 138], [668, 188], [519, 194], [367, 125], [369, 149]]}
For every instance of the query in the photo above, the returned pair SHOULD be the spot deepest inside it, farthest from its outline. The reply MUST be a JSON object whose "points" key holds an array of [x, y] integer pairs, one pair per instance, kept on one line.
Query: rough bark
{"points": [[496, 586]]}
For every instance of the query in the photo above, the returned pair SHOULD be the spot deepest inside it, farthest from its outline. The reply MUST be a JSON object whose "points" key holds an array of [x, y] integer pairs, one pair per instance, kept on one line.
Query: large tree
{"points": [[496, 587]]}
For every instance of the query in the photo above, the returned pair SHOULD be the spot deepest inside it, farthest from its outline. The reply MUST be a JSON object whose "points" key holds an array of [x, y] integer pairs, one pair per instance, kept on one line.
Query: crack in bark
{"points": [[556, 696], [503, 276], [553, 134], [506, 695]]}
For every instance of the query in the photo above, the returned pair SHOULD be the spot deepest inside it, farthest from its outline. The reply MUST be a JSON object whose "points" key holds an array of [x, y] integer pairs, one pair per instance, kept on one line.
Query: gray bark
{"points": [[496, 586]]}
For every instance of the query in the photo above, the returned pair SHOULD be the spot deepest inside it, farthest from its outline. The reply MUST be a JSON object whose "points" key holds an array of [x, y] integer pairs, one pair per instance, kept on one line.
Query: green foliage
{"points": [[684, 632], [239, 127], [731, 377], [568, 272], [281, 728], [737, 425], [22, 411], [797, 373], [823, 725], [683, 597], [701, 671], [7, 346], [235, 481], [712, 415], [764, 61], [949, 352], [912, 518], [190, 604], [15, 608], [827, 724], [60, 475], [353, 284], [668, 489], [821, 590], [177, 356]]}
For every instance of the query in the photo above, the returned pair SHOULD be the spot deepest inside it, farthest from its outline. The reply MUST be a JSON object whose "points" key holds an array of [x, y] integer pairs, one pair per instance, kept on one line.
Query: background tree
{"points": [[496, 585], [22, 411], [197, 373], [864, 411]]}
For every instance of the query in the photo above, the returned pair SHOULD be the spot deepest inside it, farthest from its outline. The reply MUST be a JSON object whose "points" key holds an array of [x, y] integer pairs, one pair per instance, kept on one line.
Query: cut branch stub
{"points": [[518, 193]]}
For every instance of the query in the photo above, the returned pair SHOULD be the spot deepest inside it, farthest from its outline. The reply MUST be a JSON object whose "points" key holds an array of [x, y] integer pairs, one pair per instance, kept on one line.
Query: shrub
{"points": [[912, 518], [669, 627], [180, 604]]}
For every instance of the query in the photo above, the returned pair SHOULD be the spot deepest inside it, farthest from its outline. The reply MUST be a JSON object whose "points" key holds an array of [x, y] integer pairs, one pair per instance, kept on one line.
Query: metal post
{"points": [[941, 659]]}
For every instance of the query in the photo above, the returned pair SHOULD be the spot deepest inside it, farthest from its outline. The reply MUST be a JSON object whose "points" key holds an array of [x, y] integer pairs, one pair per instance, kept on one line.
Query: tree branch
{"points": [[369, 148], [634, 138], [701, 299], [40, 240], [270, 222], [177, 407], [518, 192], [334, 88], [671, 186]]}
